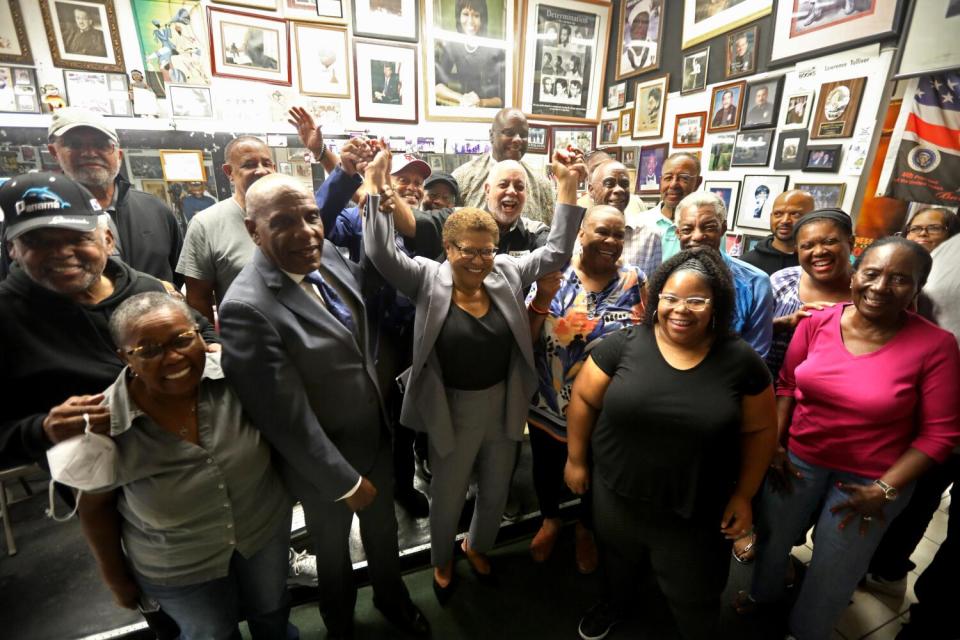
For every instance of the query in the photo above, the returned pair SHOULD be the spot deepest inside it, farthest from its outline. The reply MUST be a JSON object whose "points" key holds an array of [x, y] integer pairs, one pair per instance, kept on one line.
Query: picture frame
{"points": [[538, 138], [825, 158], [468, 64], [103, 93], [249, 46], [582, 137], [649, 105], [182, 26], [14, 44], [182, 165], [741, 52], [20, 92], [930, 48], [575, 31], [695, 66], [688, 130], [188, 101], [626, 120], [729, 192], [323, 49], [756, 200], [396, 20], [800, 33], [725, 115], [761, 107], [312, 10], [826, 195], [797, 107], [791, 150], [380, 96], [157, 188], [837, 108], [721, 152], [616, 96], [609, 131], [630, 157], [83, 34], [752, 148], [650, 167], [639, 37], [703, 19]]}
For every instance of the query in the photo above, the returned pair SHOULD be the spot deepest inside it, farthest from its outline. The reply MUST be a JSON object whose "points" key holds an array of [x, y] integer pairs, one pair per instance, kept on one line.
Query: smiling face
{"points": [[285, 224], [506, 192], [88, 156], [62, 260], [681, 325], [885, 284], [601, 237], [823, 250], [174, 373], [610, 185]]}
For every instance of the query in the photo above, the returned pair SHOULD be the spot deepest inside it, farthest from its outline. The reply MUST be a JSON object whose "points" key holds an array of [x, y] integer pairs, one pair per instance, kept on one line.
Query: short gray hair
{"points": [[699, 199], [137, 306]]}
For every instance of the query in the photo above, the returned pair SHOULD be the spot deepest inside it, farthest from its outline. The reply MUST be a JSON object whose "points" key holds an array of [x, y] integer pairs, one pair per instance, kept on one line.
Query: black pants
{"points": [[549, 458], [690, 560]]}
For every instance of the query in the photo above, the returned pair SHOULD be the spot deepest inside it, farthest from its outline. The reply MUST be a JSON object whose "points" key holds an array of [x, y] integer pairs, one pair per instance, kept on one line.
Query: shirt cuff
{"points": [[352, 491]]}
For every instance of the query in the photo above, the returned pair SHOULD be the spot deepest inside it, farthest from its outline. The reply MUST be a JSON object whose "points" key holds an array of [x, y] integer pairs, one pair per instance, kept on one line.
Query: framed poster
{"points": [[721, 152], [323, 53], [756, 200], [791, 149], [83, 34], [626, 122], [14, 46], [583, 138], [312, 9], [574, 35], [688, 129], [249, 47], [182, 165], [796, 110], [468, 58], [742, 52], [104, 93], [385, 19], [538, 138], [729, 192], [826, 195], [824, 158], [726, 105], [929, 45], [813, 29], [385, 81], [705, 19], [617, 96], [837, 108], [19, 92], [650, 167], [190, 102], [649, 104], [695, 71], [762, 104], [752, 148], [173, 40], [639, 37]]}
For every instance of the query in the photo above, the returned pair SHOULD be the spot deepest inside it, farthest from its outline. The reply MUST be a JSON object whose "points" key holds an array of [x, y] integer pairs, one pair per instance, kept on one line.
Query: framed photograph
{"points": [[929, 46], [182, 165], [837, 108], [583, 138], [156, 188], [468, 58], [791, 148], [813, 29], [312, 9], [538, 138], [173, 40], [569, 38], [756, 200], [249, 47], [796, 110], [616, 96], [695, 71], [825, 195], [83, 34], [824, 158], [721, 152], [752, 148], [190, 102], [323, 53], [639, 36], [609, 131], [385, 81], [626, 120], [650, 167], [629, 157], [14, 46], [19, 92], [649, 104], [726, 103], [688, 129], [729, 192], [386, 19], [705, 19], [762, 104], [742, 52], [104, 93]]}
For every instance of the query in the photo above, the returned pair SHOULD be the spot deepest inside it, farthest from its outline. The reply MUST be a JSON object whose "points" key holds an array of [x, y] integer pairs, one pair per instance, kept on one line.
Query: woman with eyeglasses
{"points": [[202, 517], [679, 414], [473, 371], [930, 226]]}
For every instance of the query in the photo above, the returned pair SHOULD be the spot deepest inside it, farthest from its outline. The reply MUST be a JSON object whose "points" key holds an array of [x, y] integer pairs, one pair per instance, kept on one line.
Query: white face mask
{"points": [[87, 462]]}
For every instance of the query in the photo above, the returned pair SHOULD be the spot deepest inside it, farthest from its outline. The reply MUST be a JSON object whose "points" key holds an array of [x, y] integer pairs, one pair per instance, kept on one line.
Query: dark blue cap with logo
{"points": [[46, 200]]}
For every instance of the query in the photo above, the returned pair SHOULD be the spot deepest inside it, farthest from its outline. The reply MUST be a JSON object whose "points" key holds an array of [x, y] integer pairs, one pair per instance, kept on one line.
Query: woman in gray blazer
{"points": [[473, 372]]}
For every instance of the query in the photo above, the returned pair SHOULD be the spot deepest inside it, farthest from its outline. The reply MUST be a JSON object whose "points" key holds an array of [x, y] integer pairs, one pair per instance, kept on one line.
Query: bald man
{"points": [[508, 139], [296, 322], [778, 250]]}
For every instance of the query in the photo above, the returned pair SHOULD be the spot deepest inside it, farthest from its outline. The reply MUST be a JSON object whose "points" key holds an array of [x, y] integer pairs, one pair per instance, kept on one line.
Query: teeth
{"points": [[178, 375]]}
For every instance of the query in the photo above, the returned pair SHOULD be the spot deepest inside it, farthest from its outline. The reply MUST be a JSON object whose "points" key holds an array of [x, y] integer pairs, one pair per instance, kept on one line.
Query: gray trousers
{"points": [[480, 440]]}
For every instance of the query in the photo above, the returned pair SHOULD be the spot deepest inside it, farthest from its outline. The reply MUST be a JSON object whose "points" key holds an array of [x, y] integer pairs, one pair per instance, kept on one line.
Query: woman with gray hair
{"points": [[203, 519]]}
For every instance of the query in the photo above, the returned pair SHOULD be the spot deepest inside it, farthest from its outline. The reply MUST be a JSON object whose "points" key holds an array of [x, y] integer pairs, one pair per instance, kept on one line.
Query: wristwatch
{"points": [[890, 493]]}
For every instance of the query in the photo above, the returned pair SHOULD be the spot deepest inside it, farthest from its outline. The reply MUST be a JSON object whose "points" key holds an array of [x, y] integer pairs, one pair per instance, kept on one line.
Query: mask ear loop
{"points": [[51, 510]]}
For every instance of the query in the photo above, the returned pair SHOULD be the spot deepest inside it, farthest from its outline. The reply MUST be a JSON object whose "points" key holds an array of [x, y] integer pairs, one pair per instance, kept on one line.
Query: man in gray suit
{"points": [[300, 361]]}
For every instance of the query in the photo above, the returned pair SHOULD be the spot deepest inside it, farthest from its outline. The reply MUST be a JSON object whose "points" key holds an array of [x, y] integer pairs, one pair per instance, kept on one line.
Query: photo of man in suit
{"points": [[78, 24]]}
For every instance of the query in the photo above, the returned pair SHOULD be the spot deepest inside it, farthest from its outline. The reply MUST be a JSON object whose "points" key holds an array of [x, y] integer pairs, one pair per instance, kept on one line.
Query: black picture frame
{"points": [[823, 158], [795, 160], [748, 153], [755, 116]]}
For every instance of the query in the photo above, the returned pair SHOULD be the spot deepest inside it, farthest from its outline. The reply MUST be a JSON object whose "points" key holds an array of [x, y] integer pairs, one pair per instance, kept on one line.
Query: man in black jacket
{"points": [[778, 250]]}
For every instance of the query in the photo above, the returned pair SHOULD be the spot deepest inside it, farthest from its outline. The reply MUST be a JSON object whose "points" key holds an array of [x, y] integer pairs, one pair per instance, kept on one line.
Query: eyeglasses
{"points": [[930, 229], [693, 303], [682, 178], [486, 252], [153, 351]]}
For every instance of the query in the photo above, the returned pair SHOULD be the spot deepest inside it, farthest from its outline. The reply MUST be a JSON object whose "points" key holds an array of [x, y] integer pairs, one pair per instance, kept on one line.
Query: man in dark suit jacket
{"points": [[300, 361]]}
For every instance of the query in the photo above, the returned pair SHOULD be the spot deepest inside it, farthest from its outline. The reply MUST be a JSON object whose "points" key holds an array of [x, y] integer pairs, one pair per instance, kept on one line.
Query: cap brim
{"points": [[59, 221], [76, 125], [419, 166]]}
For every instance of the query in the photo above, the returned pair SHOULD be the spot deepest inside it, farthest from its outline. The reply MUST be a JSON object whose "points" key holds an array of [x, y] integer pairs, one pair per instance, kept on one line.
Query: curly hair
{"points": [[469, 219], [923, 260], [710, 267]]}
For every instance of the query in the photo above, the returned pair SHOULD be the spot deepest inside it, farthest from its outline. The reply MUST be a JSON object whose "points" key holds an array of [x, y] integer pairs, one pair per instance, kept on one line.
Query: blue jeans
{"points": [[840, 558], [256, 588]]}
